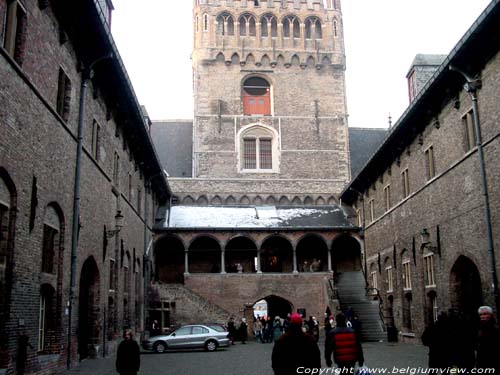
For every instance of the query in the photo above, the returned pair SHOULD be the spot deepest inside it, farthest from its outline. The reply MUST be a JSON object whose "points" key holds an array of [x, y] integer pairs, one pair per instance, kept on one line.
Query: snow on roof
{"points": [[255, 217]]}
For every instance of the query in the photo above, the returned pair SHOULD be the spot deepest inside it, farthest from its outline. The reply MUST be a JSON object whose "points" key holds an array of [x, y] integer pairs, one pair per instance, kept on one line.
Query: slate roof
{"points": [[363, 142], [173, 140], [254, 217]]}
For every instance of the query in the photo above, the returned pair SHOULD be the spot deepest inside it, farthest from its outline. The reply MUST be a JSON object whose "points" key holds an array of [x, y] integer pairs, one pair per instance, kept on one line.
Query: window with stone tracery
{"points": [[225, 24], [258, 149]]}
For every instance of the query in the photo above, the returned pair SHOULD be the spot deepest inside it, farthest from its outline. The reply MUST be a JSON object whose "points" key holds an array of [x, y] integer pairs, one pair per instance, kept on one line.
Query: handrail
{"points": [[380, 305]]}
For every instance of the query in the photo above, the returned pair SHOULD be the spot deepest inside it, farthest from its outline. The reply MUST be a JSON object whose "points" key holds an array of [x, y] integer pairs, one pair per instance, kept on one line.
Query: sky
{"points": [[381, 39]]}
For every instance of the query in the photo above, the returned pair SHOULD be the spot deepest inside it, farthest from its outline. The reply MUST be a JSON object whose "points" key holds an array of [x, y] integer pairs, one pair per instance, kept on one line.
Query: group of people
{"points": [[240, 332], [457, 342], [298, 349]]}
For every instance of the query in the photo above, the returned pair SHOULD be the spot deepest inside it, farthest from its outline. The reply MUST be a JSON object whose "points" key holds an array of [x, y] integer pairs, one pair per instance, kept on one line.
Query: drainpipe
{"points": [[472, 84], [86, 75]]}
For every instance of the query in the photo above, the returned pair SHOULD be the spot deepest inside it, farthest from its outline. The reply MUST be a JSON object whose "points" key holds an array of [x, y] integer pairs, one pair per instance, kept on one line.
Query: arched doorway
{"points": [[88, 310], [169, 260], [276, 306], [256, 96], [346, 254], [276, 255], [465, 287]]}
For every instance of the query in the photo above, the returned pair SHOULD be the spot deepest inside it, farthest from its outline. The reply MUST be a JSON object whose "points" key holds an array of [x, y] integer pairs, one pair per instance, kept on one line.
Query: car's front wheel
{"points": [[160, 347], [211, 346]]}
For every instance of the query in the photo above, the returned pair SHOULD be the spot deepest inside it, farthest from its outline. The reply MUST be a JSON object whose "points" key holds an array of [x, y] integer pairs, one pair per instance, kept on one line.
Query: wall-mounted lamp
{"points": [[425, 239], [118, 225]]}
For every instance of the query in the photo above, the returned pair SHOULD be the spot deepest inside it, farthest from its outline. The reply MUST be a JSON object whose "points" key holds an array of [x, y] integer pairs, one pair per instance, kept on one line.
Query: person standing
{"points": [[295, 349], [438, 336], [128, 359], [488, 340], [243, 331], [343, 342], [231, 328]]}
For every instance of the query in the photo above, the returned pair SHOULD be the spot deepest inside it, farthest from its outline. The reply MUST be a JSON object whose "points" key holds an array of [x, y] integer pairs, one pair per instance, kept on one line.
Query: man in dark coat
{"points": [[295, 351], [231, 328], [439, 337], [243, 331], [128, 358], [345, 345], [488, 341]]}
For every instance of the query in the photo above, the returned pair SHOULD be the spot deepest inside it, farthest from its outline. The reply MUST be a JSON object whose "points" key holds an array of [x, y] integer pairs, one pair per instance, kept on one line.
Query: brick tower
{"points": [[270, 121]]}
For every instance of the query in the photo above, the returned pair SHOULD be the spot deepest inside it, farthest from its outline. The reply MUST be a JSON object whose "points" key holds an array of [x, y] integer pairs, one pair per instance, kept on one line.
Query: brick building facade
{"points": [[420, 199], [69, 285]]}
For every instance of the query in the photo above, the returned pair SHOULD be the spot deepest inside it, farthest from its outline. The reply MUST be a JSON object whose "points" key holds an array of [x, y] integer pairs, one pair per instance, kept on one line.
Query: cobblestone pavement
{"points": [[250, 359]]}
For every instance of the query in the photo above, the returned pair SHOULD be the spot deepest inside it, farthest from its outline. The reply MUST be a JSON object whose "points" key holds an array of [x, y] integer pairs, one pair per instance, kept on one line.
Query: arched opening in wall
{"points": [[274, 306], [241, 255], [225, 24], [346, 254], [407, 312], [465, 287], [276, 255], [247, 25], [256, 96], [169, 260], [291, 27], [48, 341], [312, 254], [88, 310], [204, 255], [269, 25]]}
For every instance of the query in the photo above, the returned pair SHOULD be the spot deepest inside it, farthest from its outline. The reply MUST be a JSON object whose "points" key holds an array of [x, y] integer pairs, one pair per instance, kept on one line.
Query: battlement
{"points": [[272, 4]]}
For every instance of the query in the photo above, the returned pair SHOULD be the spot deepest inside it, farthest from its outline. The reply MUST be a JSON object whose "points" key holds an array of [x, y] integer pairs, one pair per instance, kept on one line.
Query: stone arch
{"points": [[465, 287], [235, 58], [291, 26], [169, 260], [225, 24], [88, 309], [320, 201], [326, 61], [308, 200], [284, 200], [332, 200], [311, 62], [295, 61], [296, 201], [346, 254], [53, 241], [245, 200], [188, 200], [312, 28], [257, 200], [204, 254], [250, 59], [269, 25], [271, 200], [216, 200], [312, 253], [202, 200], [280, 60], [220, 58], [265, 61], [276, 254], [276, 306], [247, 24], [230, 200], [240, 250]]}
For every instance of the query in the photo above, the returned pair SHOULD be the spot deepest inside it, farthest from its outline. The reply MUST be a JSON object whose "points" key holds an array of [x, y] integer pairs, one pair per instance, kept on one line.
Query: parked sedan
{"points": [[188, 337]]}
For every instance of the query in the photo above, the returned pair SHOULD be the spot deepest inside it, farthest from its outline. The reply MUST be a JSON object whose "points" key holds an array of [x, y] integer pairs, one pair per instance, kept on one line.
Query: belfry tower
{"points": [[270, 118]]}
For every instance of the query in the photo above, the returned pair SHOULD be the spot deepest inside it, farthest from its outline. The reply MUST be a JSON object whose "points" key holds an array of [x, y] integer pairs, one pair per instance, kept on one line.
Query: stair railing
{"points": [[374, 291]]}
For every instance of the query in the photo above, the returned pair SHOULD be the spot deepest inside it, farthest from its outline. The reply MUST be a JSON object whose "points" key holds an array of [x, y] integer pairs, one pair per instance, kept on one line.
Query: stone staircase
{"points": [[352, 293], [189, 306]]}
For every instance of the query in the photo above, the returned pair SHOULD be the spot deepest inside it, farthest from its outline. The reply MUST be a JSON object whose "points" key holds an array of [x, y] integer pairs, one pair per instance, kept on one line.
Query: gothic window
{"points": [[14, 32], [373, 278], [205, 22], [258, 149], [63, 95], [247, 25], [407, 315], [406, 270], [96, 130], [406, 182], [50, 242], [225, 24], [430, 165], [430, 279], [269, 25], [389, 276], [387, 197], [313, 28], [116, 168], [469, 130], [335, 28], [47, 340], [256, 96], [291, 27]]}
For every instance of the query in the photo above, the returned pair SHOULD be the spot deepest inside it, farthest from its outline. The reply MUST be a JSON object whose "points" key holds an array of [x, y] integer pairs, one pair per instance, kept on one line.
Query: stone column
{"points": [[329, 260], [223, 261], [295, 260], [186, 263]]}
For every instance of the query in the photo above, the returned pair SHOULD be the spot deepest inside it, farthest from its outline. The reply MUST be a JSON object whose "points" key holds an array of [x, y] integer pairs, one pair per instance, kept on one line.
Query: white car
{"points": [[189, 337]]}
